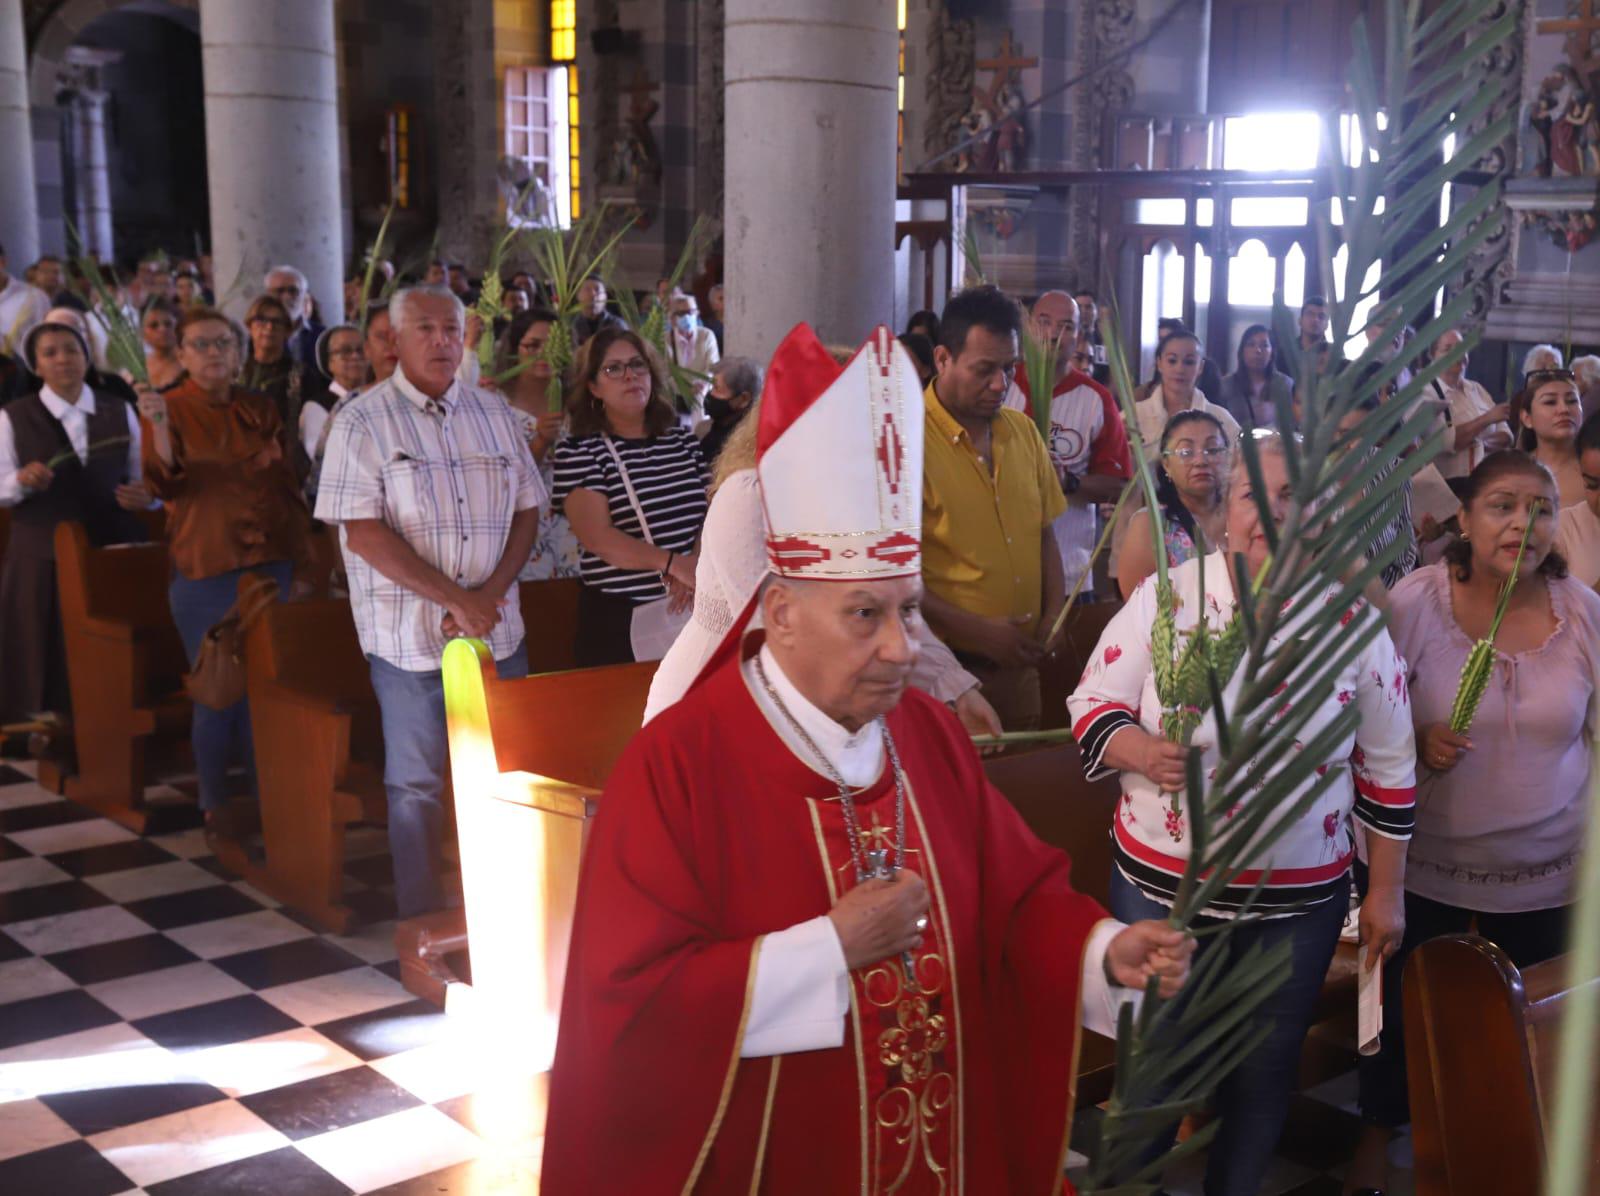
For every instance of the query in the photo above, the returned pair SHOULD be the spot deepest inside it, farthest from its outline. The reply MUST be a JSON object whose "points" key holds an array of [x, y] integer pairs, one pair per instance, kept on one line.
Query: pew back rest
{"points": [[126, 583], [312, 646], [1482, 1040], [550, 621], [1047, 788], [569, 726]]}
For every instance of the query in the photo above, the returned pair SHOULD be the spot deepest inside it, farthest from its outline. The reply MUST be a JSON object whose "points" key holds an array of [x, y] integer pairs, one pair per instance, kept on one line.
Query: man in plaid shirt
{"points": [[437, 500]]}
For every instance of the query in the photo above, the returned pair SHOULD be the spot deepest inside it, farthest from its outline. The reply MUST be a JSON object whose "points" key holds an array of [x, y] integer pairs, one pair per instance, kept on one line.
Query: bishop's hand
{"points": [[1147, 949], [880, 919]]}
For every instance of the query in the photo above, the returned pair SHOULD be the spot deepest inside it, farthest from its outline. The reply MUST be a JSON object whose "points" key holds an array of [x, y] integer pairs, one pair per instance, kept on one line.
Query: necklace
{"points": [[870, 862]]}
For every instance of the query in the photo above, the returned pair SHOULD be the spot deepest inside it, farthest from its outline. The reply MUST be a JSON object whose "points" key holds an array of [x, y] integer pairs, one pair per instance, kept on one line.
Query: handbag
{"points": [[654, 626], [217, 679]]}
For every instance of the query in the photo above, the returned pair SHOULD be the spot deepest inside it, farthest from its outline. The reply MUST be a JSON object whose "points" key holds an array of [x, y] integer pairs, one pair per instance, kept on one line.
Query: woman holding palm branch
{"points": [[1120, 723], [1492, 847]]}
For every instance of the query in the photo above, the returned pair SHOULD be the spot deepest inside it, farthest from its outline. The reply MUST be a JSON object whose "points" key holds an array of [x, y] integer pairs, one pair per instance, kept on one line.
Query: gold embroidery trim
{"points": [[855, 1013], [942, 912], [733, 1070], [766, 1125]]}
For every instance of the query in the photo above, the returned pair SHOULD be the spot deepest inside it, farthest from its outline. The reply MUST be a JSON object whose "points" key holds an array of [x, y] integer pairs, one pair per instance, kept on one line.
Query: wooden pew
{"points": [[529, 758], [1482, 1041], [319, 753], [125, 666], [550, 621], [1058, 676]]}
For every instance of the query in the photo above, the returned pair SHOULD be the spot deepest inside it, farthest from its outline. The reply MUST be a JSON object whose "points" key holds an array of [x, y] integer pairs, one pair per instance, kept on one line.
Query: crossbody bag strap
{"points": [[627, 485]]}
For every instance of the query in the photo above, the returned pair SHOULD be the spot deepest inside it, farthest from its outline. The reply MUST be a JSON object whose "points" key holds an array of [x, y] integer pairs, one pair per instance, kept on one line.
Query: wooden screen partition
{"points": [[1482, 1041], [125, 666], [529, 758]]}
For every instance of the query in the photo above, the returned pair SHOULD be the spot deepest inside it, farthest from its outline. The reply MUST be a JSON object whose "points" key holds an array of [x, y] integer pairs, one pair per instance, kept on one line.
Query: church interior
{"points": [[507, 505]]}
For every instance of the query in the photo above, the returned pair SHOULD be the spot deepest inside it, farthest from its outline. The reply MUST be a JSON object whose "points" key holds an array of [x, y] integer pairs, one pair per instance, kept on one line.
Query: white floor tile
{"points": [[28, 871], [82, 928], [27, 1126], [183, 1143], [22, 979], [14, 797], [71, 836], [255, 894], [341, 994], [389, 1149], [373, 943], [163, 991], [156, 880], [258, 1064], [432, 1073], [186, 845], [230, 936], [113, 1056]]}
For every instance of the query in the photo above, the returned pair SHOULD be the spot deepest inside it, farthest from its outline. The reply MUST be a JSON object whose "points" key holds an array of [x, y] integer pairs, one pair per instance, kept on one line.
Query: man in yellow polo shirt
{"points": [[992, 575]]}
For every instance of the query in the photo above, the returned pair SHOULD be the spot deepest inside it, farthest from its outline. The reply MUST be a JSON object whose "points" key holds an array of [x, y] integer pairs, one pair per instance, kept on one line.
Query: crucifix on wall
{"points": [[996, 112], [634, 156]]}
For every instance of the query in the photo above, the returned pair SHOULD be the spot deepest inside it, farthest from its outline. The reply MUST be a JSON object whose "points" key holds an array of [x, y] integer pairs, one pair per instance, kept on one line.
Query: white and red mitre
{"points": [[839, 458]]}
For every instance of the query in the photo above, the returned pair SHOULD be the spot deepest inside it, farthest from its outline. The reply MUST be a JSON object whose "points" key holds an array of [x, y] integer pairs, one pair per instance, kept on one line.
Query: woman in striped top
{"points": [[1116, 719], [623, 429]]}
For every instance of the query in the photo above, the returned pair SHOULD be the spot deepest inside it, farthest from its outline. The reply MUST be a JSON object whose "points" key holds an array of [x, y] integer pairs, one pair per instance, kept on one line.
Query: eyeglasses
{"points": [[213, 344], [1212, 452], [282, 291], [1539, 377], [636, 367], [354, 351]]}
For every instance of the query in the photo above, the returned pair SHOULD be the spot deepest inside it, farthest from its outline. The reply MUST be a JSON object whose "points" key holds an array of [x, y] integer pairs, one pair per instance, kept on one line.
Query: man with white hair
{"points": [[1586, 370], [436, 497], [804, 910], [288, 286], [21, 307]]}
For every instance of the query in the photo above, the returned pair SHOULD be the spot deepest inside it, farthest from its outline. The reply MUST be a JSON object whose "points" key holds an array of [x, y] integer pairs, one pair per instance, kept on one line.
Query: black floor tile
{"points": [[12, 851], [73, 1167], [286, 963], [193, 906], [388, 1031], [11, 949], [284, 1172], [50, 813], [233, 1020], [329, 1102], [125, 957], [95, 1110], [10, 776], [111, 857], [371, 905], [214, 866], [48, 901], [51, 1016]]}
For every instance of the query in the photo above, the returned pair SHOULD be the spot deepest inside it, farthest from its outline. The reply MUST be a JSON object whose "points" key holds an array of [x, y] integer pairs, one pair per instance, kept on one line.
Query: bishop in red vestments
{"points": [[815, 951]]}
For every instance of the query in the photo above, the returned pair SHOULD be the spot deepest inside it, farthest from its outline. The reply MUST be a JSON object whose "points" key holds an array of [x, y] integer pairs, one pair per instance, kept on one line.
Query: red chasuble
{"points": [[711, 834]]}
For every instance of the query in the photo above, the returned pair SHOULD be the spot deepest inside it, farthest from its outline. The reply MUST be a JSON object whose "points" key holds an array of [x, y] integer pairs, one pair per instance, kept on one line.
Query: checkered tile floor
{"points": [[164, 1029]]}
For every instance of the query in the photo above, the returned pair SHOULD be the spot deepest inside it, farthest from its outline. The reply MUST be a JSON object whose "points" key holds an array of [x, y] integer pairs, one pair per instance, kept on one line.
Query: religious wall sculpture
{"points": [[952, 55], [994, 120], [1560, 148]]}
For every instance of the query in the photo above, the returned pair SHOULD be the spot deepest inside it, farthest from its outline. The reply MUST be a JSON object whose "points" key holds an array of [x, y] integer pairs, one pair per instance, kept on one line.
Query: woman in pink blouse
{"points": [[1502, 810], [1116, 719]]}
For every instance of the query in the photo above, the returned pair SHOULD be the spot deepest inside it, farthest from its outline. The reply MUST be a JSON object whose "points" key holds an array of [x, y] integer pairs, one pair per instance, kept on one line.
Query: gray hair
{"points": [[1587, 369], [1531, 361], [305, 284], [742, 374], [400, 305]]}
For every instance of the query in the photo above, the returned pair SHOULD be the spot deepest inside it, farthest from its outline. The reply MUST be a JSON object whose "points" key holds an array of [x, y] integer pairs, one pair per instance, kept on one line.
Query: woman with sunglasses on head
{"points": [[1547, 414], [1190, 478], [632, 483]]}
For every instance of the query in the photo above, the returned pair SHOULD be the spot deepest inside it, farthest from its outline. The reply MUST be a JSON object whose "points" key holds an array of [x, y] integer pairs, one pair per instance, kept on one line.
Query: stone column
{"points": [[94, 176], [272, 145], [810, 170], [19, 205]]}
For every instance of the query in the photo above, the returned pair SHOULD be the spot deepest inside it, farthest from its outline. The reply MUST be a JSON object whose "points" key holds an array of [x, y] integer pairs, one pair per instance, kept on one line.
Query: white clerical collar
{"points": [[336, 390], [408, 388], [857, 756], [57, 406]]}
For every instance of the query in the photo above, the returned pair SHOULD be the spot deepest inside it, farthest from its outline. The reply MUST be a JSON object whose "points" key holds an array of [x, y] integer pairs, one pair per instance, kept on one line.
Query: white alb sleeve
{"points": [[802, 992], [1101, 998]]}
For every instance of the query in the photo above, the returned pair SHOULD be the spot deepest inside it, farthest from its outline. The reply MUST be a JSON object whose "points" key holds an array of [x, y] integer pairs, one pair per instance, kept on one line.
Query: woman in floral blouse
{"points": [[1116, 718], [555, 551]]}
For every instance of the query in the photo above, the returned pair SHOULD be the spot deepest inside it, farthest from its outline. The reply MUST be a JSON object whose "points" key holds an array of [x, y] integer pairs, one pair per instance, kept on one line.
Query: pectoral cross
{"points": [[878, 869]]}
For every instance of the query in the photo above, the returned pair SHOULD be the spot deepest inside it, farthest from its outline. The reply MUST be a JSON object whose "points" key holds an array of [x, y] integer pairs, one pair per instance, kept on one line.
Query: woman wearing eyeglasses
{"points": [[272, 370], [1189, 480], [632, 483], [213, 452], [1547, 414]]}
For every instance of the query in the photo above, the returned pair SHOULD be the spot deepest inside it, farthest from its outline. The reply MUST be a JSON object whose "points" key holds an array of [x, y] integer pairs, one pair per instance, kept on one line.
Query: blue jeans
{"points": [[415, 754], [218, 736], [1253, 1102]]}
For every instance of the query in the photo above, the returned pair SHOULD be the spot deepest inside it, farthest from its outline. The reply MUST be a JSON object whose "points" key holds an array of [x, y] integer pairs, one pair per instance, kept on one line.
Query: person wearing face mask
{"points": [[735, 385], [1546, 414], [1506, 805], [692, 346], [65, 454]]}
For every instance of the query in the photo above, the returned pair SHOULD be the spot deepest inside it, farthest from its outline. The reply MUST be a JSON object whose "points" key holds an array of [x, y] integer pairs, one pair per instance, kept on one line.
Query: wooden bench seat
{"points": [[1482, 1043], [319, 754], [125, 666]]}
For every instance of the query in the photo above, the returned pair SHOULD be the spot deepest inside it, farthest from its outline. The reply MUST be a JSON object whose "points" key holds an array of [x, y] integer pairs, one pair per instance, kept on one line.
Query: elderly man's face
{"points": [[848, 648], [429, 343], [1055, 320], [286, 289]]}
